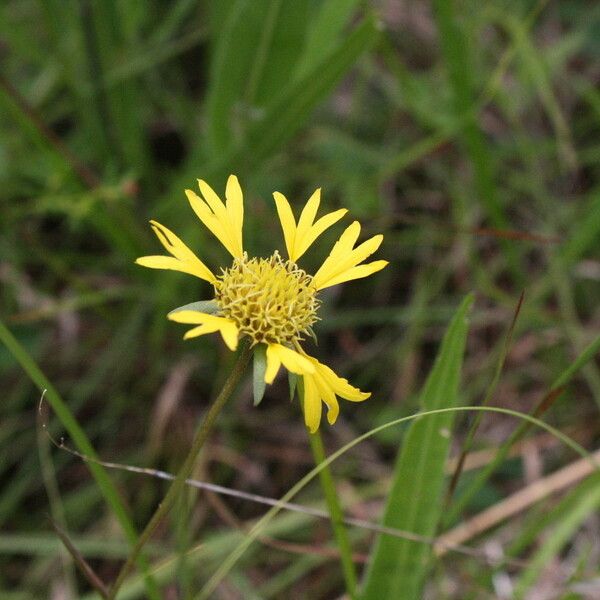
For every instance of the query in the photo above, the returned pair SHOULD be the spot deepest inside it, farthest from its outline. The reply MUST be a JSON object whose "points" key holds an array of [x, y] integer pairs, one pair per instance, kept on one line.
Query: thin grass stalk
{"points": [[180, 481], [336, 514], [71, 425]]}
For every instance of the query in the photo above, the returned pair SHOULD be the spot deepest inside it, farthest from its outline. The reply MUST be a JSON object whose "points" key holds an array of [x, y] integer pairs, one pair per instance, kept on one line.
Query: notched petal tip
{"points": [[230, 336]]}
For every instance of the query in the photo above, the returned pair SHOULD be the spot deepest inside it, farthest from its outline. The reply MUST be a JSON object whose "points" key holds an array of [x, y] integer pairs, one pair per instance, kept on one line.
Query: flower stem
{"points": [[335, 512], [179, 482]]}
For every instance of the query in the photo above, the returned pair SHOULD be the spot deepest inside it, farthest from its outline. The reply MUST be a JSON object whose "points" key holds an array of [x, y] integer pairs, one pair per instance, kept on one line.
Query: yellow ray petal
{"points": [[339, 385], [324, 223], [210, 221], [323, 386], [347, 239], [235, 202], [273, 364], [292, 361], [172, 264], [343, 258], [288, 223], [230, 215], [328, 396], [308, 214], [312, 404], [298, 238], [183, 260], [214, 202], [224, 221], [356, 273], [207, 324]]}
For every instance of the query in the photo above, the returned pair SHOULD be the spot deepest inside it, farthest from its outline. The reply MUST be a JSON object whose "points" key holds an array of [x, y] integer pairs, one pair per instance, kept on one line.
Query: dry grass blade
{"points": [[516, 503]]}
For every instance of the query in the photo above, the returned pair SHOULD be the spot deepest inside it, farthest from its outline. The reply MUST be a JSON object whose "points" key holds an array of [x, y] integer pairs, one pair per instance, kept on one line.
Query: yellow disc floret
{"points": [[271, 300]]}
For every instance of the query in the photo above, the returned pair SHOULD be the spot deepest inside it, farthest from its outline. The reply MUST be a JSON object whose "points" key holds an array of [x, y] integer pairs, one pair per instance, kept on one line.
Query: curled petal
{"points": [[323, 386]]}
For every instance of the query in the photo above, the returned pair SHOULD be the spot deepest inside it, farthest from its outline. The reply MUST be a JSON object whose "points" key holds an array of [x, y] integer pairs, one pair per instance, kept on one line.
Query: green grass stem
{"points": [[335, 511]]}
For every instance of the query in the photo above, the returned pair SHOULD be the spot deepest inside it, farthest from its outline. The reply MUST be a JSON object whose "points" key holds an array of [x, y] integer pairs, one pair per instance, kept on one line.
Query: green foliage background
{"points": [[467, 132]]}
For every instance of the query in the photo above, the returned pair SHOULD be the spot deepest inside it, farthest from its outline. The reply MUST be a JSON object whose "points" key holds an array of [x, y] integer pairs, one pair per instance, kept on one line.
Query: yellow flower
{"points": [[271, 300]]}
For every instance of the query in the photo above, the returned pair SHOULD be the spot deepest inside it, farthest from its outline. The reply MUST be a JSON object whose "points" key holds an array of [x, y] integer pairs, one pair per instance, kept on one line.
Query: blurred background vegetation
{"points": [[467, 132]]}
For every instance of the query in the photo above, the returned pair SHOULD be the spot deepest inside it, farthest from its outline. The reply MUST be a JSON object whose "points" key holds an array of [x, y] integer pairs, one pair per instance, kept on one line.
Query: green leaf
{"points": [[209, 307], [260, 43], [258, 373], [398, 566], [324, 32]]}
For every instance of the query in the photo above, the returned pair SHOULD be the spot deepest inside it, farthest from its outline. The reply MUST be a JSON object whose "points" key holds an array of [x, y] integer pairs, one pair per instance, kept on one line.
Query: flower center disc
{"points": [[269, 299]]}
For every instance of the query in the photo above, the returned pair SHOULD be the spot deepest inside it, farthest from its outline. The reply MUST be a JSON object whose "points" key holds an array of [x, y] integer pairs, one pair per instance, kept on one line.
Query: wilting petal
{"points": [[323, 386]]}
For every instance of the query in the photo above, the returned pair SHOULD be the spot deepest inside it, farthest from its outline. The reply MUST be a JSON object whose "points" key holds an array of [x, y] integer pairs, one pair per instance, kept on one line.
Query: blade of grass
{"points": [[487, 399], [291, 109], [80, 561], [178, 13], [207, 555], [565, 525], [586, 233], [531, 530], [284, 116], [556, 388], [533, 62], [80, 439], [57, 509], [323, 33], [234, 555], [336, 515], [414, 503], [42, 544], [258, 48], [456, 52], [108, 28], [41, 135], [109, 141]]}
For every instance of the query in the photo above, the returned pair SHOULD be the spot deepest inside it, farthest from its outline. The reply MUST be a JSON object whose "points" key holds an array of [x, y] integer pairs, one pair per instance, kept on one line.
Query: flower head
{"points": [[271, 301]]}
